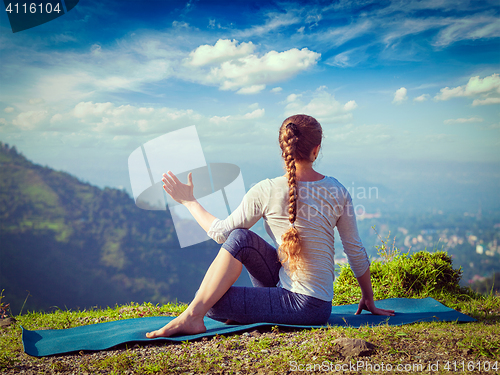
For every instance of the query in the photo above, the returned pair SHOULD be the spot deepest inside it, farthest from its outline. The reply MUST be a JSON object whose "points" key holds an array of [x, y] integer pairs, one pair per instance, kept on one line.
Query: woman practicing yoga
{"points": [[294, 283]]}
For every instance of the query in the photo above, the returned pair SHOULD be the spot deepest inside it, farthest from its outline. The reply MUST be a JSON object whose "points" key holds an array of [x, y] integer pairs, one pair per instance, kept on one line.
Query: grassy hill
{"points": [[69, 244]]}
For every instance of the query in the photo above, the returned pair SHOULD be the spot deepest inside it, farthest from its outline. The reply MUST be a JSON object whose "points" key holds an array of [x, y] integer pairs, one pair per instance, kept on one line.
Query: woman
{"points": [[294, 284]]}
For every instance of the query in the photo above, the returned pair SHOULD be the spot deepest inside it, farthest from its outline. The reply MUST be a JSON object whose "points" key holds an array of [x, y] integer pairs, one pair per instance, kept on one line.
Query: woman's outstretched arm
{"points": [[183, 193]]}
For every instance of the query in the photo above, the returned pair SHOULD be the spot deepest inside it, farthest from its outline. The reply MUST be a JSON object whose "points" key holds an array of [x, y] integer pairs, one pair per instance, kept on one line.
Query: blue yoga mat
{"points": [[106, 335]]}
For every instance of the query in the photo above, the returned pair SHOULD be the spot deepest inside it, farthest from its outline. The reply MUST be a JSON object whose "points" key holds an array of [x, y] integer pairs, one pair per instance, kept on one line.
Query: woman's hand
{"points": [[369, 305], [182, 193]]}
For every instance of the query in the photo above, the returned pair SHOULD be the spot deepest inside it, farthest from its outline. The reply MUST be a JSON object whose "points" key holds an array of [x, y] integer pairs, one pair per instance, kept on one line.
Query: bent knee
{"points": [[239, 233]]}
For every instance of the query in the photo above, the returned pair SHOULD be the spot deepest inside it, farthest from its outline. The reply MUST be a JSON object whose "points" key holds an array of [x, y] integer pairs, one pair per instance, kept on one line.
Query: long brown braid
{"points": [[298, 136]]}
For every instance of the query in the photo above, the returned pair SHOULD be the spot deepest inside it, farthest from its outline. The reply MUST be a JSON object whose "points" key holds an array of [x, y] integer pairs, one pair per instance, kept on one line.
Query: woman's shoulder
{"points": [[272, 182], [333, 186], [268, 184]]}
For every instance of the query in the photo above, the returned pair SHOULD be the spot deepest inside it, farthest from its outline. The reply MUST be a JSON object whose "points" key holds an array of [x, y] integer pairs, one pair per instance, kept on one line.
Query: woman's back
{"points": [[321, 205]]}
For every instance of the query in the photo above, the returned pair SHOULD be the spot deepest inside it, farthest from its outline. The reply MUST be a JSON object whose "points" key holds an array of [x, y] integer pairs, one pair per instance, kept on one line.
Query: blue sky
{"points": [[408, 92]]}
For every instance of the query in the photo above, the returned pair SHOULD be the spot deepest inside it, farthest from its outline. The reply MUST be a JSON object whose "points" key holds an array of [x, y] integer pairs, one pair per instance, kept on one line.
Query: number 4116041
{"points": [[32, 8]]}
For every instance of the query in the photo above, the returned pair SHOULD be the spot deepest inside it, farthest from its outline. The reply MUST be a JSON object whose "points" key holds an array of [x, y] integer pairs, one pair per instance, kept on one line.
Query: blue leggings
{"points": [[265, 302]]}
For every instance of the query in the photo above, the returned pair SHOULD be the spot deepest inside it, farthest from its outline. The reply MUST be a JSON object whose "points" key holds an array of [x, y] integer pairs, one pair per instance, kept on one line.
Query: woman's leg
{"points": [[259, 258], [247, 305], [221, 274]]}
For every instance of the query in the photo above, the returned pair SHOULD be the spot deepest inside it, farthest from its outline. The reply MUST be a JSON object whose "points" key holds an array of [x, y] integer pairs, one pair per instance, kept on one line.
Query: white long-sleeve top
{"points": [[321, 206]]}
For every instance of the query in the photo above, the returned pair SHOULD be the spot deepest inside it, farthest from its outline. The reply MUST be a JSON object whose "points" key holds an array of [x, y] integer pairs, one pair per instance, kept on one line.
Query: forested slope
{"points": [[70, 244]]}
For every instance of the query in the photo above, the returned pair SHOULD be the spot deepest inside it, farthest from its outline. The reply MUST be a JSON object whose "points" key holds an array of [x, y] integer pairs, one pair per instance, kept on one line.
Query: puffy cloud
{"points": [[350, 105], [463, 120], [255, 89], [251, 73], [56, 118], [121, 120], [276, 90], [29, 120], [323, 106], [421, 98], [486, 101], [400, 96], [254, 114], [488, 88], [85, 109], [8, 109], [223, 50]]}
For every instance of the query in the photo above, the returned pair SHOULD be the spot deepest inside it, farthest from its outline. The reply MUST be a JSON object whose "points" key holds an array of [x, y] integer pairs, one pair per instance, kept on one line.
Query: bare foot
{"points": [[183, 324]]}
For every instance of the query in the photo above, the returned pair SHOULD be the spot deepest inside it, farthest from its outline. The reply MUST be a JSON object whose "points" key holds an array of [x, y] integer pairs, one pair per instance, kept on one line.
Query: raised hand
{"points": [[179, 192]]}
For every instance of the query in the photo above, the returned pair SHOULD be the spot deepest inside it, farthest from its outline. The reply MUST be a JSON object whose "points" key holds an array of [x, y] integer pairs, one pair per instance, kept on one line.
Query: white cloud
{"points": [[323, 106], [488, 88], [3, 121], [274, 22], [251, 73], [255, 89], [350, 105], [29, 120], [255, 114], [469, 28], [337, 36], [56, 118], [421, 98], [463, 120], [276, 90], [358, 136], [400, 28], [35, 101], [400, 96], [493, 126], [349, 58], [108, 118], [486, 101], [85, 109], [223, 50], [8, 109], [219, 119], [95, 49]]}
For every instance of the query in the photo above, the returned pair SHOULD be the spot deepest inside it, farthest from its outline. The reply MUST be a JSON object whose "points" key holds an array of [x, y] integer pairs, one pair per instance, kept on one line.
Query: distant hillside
{"points": [[71, 244]]}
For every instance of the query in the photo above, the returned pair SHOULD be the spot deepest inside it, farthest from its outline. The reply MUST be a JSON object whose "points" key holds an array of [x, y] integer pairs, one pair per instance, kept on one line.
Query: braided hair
{"points": [[298, 136]]}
